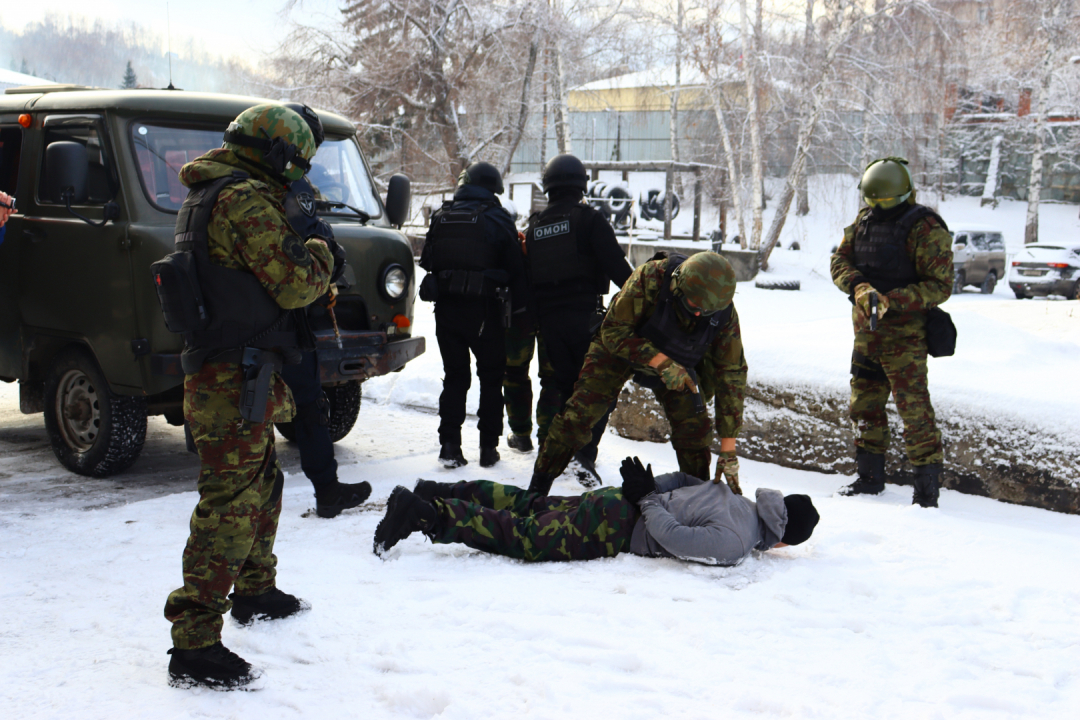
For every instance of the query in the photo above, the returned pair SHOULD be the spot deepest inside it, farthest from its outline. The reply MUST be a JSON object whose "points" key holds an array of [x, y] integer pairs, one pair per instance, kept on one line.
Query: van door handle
{"points": [[35, 234]]}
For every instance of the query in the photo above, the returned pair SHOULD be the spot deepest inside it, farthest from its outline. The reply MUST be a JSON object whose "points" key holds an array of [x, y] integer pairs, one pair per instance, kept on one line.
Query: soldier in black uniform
{"points": [[572, 255], [311, 424], [477, 281]]}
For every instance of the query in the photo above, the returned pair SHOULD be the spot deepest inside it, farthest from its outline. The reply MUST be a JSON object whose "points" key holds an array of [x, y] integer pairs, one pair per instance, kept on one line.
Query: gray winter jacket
{"points": [[703, 521]]}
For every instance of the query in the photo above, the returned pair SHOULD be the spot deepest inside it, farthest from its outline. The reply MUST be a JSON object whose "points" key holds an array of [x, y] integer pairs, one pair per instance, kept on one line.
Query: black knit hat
{"points": [[802, 518]]}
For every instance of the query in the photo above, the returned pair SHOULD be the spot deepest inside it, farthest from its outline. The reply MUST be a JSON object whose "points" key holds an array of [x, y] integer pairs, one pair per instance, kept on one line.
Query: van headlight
{"points": [[394, 282]]}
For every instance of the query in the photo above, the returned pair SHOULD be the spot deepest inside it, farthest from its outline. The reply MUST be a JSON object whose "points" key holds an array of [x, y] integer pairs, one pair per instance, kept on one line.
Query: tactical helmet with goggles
{"points": [[704, 284], [482, 174], [886, 183], [274, 137], [312, 119]]}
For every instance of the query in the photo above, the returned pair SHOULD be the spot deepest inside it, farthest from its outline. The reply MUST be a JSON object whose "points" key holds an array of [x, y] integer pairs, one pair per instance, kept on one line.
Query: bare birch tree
{"points": [[707, 47], [751, 46], [1052, 26], [847, 19]]}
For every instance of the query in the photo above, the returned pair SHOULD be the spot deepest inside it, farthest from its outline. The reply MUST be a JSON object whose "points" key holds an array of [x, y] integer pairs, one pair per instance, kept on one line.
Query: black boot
{"points": [[215, 667], [332, 498], [450, 456], [428, 490], [926, 485], [871, 480], [519, 442], [584, 470], [488, 456], [270, 605], [541, 483], [405, 514]]}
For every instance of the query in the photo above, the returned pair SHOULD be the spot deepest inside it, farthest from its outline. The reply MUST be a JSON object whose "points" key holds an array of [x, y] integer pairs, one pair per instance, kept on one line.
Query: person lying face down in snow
{"points": [[674, 515]]}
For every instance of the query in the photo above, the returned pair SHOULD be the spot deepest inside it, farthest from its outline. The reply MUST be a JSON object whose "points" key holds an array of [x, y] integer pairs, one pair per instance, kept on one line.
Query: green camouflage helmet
{"points": [[275, 137], [886, 183], [704, 283]]}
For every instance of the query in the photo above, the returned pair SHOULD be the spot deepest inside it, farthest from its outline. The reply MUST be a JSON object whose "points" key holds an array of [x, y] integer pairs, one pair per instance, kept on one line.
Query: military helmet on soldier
{"points": [[311, 118], [886, 183], [483, 175], [704, 283], [274, 137], [565, 171]]}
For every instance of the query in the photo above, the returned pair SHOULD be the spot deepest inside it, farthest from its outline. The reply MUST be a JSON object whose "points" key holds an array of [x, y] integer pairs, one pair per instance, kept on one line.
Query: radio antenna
{"points": [[168, 40]]}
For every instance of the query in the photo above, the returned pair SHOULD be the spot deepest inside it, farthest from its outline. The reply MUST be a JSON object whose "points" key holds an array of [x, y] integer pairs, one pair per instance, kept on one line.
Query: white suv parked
{"points": [[1046, 269]]}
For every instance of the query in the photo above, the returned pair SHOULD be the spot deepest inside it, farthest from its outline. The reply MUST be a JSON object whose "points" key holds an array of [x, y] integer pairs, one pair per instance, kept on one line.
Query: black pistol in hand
{"points": [[699, 404]]}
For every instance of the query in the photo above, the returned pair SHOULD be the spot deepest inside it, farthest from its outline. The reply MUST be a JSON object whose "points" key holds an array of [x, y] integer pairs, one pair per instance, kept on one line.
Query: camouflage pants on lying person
{"points": [[507, 520]]}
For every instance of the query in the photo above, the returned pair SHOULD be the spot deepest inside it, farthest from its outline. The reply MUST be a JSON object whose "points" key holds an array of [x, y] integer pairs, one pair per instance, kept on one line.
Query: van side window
{"points": [[10, 154], [979, 241], [162, 151], [101, 185], [996, 242]]}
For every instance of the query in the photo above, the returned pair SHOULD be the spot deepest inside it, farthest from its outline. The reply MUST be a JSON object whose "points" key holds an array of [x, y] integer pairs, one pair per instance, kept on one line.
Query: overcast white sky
{"points": [[225, 27]]}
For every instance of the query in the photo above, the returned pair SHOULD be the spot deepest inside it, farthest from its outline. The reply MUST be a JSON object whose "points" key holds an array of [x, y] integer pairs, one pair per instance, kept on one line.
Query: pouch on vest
{"points": [[469, 283], [179, 293], [429, 288], [940, 333]]}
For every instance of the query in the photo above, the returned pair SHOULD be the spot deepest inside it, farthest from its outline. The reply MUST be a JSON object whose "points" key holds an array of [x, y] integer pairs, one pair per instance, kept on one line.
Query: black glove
{"points": [[339, 259], [637, 481]]}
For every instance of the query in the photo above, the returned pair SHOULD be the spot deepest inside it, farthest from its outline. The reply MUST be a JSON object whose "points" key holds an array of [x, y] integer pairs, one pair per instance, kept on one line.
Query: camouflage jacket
{"points": [[723, 369], [930, 247], [248, 231]]}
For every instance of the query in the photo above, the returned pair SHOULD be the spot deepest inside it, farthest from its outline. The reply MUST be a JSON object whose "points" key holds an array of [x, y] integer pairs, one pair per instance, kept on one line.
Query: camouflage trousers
{"points": [[602, 378], [517, 386], [233, 527], [506, 520], [879, 367]]}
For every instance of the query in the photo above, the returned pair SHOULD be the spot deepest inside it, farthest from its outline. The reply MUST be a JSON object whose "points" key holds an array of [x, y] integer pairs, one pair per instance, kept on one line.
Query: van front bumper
{"points": [[362, 355]]}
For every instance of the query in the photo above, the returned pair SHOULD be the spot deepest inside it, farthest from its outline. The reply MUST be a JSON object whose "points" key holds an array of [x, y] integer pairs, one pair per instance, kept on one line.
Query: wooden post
{"points": [[595, 174], [669, 188], [697, 205]]}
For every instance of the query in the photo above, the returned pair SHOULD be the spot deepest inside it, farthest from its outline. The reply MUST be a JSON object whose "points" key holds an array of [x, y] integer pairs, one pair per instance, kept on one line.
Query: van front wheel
{"points": [[93, 432]]}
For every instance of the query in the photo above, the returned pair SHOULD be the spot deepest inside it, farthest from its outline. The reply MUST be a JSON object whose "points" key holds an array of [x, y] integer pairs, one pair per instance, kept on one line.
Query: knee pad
{"points": [[863, 368], [316, 413], [517, 373]]}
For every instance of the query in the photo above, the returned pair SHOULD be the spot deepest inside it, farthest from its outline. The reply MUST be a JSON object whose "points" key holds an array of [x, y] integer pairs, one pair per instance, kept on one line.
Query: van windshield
{"points": [[337, 170]]}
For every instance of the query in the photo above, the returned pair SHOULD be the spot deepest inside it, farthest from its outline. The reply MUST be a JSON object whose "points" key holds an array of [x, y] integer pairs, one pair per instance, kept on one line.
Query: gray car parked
{"points": [[978, 259]]}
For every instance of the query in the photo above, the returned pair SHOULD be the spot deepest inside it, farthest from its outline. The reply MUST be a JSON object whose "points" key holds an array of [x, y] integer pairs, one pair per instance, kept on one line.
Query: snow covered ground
{"points": [[970, 611], [889, 611]]}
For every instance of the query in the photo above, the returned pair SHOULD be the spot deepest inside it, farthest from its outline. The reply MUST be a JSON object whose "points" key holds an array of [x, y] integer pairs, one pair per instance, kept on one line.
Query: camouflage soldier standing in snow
{"points": [[522, 342], [673, 316], [898, 253], [253, 271]]}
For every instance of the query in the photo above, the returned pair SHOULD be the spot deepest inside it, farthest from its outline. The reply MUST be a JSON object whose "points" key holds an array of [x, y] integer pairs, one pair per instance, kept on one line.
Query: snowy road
{"points": [[971, 611]]}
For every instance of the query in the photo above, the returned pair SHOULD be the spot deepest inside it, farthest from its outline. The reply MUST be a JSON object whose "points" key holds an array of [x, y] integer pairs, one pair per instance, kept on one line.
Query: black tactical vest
{"points": [[554, 241], [665, 332], [240, 313], [458, 252], [459, 238], [880, 248]]}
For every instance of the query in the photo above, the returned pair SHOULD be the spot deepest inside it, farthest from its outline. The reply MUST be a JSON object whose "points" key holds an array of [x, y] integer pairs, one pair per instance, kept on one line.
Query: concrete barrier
{"points": [[809, 429], [746, 263]]}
